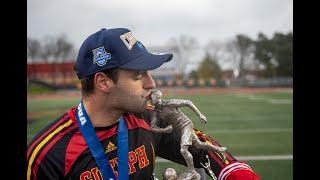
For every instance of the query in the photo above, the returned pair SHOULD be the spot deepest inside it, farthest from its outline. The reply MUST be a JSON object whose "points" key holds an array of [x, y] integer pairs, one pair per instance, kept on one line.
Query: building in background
{"points": [[52, 73]]}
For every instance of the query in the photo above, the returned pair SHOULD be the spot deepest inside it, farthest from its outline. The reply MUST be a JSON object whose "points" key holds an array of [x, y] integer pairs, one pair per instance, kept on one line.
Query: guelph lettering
{"points": [[132, 160], [139, 156], [142, 156]]}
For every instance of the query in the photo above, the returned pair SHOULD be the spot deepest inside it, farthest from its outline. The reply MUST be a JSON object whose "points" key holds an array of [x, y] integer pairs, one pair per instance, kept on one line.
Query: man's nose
{"points": [[149, 82]]}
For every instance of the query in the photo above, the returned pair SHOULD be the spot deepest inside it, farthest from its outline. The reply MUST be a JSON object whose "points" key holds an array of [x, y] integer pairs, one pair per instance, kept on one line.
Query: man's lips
{"points": [[149, 104]]}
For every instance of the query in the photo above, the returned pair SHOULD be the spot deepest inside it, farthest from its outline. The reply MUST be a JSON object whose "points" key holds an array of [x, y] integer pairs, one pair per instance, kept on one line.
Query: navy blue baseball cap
{"points": [[110, 48]]}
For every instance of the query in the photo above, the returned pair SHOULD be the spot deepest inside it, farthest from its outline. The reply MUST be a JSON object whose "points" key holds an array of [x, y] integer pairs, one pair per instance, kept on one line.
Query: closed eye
{"points": [[138, 74]]}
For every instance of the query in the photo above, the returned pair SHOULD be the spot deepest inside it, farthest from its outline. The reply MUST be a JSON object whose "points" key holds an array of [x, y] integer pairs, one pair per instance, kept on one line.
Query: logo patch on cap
{"points": [[129, 39], [100, 56]]}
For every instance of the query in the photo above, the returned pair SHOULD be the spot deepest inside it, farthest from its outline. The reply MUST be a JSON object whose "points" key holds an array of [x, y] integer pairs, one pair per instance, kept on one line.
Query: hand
{"points": [[168, 129], [203, 118]]}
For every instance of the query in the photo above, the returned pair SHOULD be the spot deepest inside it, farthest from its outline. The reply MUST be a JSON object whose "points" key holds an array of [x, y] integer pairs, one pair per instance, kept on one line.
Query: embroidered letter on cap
{"points": [[129, 39]]}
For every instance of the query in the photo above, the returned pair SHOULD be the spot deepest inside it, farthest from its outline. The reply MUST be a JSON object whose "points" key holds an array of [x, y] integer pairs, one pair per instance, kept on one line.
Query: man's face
{"points": [[132, 90]]}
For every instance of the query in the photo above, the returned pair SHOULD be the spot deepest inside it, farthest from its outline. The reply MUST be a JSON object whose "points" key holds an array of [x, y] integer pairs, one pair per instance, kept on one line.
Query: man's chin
{"points": [[139, 109]]}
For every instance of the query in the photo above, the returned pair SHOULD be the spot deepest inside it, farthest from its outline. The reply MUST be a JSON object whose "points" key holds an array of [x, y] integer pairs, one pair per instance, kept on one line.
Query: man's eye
{"points": [[138, 75]]}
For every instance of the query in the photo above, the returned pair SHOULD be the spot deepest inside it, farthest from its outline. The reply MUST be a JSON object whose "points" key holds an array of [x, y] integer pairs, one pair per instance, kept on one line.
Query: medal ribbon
{"points": [[96, 148]]}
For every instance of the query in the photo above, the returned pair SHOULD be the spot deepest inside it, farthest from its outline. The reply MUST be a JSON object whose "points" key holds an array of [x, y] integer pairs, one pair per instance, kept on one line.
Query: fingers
{"points": [[203, 120]]}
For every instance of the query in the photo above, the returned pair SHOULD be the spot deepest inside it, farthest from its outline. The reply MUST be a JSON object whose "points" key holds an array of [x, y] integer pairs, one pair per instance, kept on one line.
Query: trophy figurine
{"points": [[168, 111]]}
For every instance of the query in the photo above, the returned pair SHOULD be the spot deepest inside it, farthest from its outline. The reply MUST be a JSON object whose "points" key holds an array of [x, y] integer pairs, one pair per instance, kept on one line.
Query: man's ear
{"points": [[102, 82]]}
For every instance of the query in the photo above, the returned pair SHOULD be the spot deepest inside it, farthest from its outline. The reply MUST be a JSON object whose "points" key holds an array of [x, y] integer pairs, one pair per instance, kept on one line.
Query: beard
{"points": [[131, 103], [129, 96]]}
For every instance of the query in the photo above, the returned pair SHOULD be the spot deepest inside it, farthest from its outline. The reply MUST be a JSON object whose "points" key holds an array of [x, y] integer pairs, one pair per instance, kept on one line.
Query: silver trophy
{"points": [[208, 168], [171, 174], [168, 111]]}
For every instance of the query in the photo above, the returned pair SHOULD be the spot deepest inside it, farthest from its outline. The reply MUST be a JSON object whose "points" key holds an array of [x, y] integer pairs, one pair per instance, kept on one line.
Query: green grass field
{"points": [[248, 124]]}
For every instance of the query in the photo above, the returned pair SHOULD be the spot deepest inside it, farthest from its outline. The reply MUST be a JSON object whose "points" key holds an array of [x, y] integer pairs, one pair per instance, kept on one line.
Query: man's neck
{"points": [[100, 114]]}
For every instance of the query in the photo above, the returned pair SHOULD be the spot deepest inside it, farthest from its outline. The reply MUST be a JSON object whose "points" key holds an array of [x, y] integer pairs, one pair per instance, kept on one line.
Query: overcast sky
{"points": [[155, 22]]}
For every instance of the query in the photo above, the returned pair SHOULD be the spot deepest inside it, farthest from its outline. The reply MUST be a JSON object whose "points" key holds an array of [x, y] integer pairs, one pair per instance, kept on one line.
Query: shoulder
{"points": [[49, 144], [50, 132]]}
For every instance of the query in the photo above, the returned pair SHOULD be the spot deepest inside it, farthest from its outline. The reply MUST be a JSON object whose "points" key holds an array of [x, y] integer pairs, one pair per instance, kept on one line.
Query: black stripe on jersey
{"points": [[46, 128], [63, 119], [54, 161], [43, 146]]}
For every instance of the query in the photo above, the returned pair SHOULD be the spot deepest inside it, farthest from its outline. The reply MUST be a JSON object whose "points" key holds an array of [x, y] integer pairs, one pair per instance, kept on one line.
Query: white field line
{"points": [[247, 158], [279, 101], [253, 98], [245, 131], [265, 157], [271, 101]]}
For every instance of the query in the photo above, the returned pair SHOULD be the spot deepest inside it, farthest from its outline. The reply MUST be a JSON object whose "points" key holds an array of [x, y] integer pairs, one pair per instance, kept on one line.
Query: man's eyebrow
{"points": [[139, 71]]}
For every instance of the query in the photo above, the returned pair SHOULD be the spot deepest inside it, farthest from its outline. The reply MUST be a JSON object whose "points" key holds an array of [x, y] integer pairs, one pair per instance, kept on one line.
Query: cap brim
{"points": [[147, 61]]}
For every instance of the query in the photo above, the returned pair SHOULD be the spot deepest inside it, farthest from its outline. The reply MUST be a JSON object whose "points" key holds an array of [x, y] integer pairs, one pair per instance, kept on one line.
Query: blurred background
{"points": [[233, 59]]}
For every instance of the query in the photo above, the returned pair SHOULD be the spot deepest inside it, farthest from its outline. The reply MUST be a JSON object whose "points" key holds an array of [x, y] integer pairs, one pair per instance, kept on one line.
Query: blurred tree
{"points": [[62, 50], [264, 54], [209, 68], [55, 49], [193, 74], [33, 51], [217, 50], [51, 49], [33, 48], [47, 50], [183, 47], [240, 51], [283, 53], [276, 54]]}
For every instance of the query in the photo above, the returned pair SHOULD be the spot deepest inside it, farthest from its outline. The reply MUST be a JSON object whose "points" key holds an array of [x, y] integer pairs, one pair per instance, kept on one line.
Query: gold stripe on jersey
{"points": [[153, 155], [42, 143]]}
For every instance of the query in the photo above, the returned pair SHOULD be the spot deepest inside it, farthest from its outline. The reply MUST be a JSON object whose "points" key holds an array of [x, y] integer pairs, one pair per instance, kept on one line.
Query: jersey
{"points": [[59, 151]]}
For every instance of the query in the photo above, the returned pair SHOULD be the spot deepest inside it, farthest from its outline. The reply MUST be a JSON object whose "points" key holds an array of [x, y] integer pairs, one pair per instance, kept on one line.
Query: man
{"points": [[101, 138]]}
